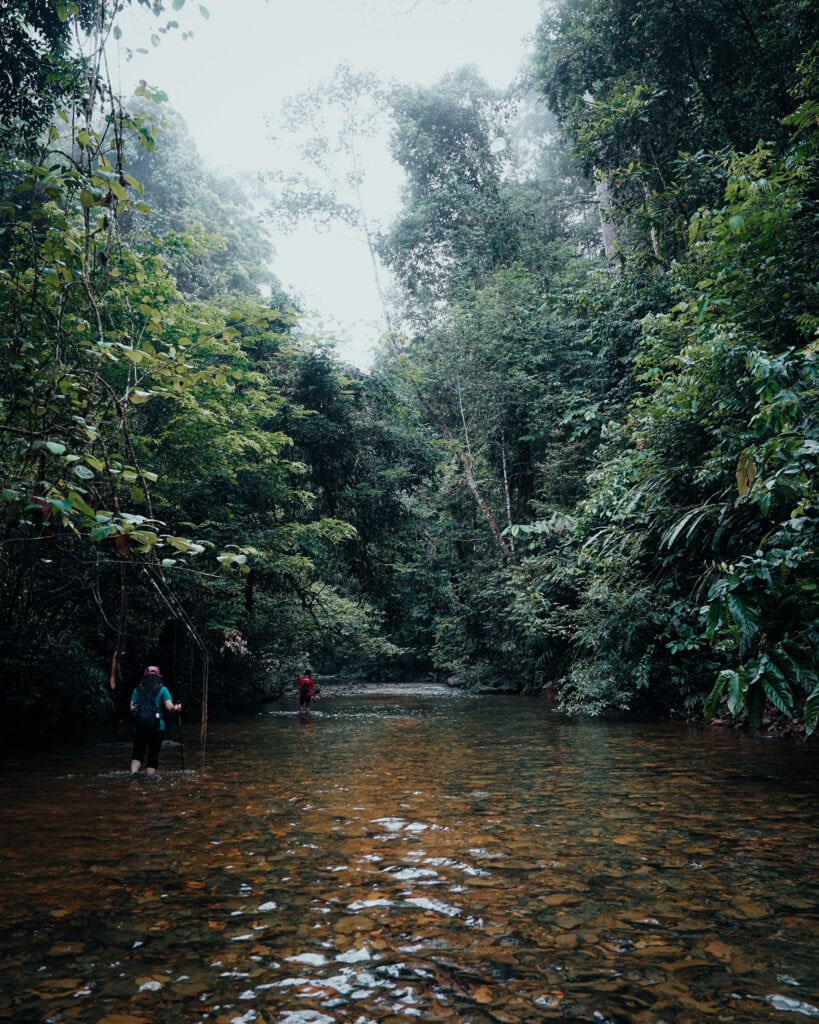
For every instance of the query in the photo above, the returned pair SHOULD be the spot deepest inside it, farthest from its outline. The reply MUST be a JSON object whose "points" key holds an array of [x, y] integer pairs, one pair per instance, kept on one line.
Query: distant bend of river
{"points": [[414, 854]]}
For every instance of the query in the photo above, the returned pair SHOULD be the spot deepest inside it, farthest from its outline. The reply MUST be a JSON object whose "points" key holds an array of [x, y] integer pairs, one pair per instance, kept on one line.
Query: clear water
{"points": [[415, 854]]}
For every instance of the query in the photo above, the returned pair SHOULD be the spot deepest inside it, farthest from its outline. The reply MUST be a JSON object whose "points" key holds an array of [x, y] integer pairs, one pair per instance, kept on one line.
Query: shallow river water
{"points": [[414, 854]]}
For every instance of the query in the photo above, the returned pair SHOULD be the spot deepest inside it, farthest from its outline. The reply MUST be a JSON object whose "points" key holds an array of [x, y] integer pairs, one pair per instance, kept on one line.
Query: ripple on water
{"points": [[410, 874], [303, 1017], [312, 959], [792, 1006]]}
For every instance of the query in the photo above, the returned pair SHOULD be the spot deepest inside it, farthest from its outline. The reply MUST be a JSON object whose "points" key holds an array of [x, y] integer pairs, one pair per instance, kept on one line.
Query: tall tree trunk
{"points": [[655, 240], [607, 226], [365, 227], [464, 456], [506, 494]]}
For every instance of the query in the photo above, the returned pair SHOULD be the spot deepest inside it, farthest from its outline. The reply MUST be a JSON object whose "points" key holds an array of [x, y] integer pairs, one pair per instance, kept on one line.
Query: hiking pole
{"points": [[181, 741]]}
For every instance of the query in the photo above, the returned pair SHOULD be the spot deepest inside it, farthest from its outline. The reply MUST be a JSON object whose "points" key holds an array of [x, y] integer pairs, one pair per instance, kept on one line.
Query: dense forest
{"points": [[584, 462]]}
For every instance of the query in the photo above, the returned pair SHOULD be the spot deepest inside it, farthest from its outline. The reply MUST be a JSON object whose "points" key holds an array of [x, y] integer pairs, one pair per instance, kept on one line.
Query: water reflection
{"points": [[416, 855]]}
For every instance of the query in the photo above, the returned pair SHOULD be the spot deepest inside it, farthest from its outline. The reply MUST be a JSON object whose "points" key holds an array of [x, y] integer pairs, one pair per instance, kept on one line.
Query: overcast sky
{"points": [[249, 54]]}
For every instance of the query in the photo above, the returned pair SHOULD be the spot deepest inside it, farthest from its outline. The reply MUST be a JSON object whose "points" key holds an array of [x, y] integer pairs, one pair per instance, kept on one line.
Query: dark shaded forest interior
{"points": [[583, 463]]}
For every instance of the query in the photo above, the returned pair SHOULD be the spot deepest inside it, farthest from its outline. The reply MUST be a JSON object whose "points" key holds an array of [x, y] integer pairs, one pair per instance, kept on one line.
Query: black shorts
{"points": [[305, 696], [149, 740]]}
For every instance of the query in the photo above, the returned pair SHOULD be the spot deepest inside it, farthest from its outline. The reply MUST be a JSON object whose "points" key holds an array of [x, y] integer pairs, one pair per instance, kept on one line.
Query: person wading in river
{"points": [[149, 702], [306, 690]]}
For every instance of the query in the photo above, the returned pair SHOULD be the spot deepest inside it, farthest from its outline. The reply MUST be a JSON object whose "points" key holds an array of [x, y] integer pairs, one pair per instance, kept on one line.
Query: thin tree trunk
{"points": [[463, 417], [506, 492], [655, 241], [365, 227], [472, 484], [464, 456], [607, 226]]}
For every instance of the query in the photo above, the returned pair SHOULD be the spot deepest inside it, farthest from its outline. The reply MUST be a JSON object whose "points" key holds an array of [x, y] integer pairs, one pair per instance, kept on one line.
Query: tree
{"points": [[148, 501], [455, 227], [207, 228], [642, 90]]}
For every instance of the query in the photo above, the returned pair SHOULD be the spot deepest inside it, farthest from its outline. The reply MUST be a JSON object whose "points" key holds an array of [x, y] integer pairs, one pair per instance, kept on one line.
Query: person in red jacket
{"points": [[306, 690]]}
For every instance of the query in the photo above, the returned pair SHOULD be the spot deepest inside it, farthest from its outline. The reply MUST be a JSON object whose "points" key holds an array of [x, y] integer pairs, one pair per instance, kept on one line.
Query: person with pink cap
{"points": [[149, 702]]}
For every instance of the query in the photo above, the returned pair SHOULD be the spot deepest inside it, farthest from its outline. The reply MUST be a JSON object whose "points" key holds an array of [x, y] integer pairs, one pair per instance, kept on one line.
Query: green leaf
{"points": [[117, 32], [737, 686], [715, 696], [83, 472], [178, 4], [80, 504], [55, 447], [714, 618], [776, 688], [138, 397], [179, 543], [204, 12], [812, 711], [145, 537], [745, 615]]}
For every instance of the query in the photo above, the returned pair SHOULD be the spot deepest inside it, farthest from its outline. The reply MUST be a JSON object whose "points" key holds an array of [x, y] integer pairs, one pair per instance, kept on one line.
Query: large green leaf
{"points": [[812, 711], [715, 696], [737, 687], [744, 614], [776, 688]]}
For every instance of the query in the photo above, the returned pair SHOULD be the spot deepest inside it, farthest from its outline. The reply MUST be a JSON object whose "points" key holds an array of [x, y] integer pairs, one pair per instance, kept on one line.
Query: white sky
{"points": [[249, 54]]}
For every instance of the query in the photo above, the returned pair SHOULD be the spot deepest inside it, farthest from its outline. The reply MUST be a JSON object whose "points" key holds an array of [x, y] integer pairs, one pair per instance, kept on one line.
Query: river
{"points": [[414, 854]]}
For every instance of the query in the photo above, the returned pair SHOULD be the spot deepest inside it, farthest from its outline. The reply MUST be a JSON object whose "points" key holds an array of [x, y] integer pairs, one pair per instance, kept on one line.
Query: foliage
{"points": [[594, 476], [637, 87], [203, 224], [153, 505], [707, 484]]}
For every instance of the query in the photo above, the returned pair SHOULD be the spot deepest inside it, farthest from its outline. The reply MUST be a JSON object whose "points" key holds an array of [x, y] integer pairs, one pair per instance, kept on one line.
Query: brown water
{"points": [[415, 855]]}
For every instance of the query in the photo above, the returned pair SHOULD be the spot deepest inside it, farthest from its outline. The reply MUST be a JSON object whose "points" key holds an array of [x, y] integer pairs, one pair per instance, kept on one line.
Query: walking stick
{"points": [[181, 741]]}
